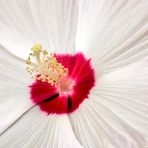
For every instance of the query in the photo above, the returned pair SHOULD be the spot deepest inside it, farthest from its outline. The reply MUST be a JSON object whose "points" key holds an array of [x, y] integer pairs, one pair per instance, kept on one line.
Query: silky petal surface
{"points": [[116, 113], [36, 129], [114, 33], [50, 22], [14, 95]]}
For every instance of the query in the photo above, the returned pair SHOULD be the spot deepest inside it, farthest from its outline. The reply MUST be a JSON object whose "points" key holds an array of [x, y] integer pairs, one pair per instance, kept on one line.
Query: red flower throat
{"points": [[70, 92]]}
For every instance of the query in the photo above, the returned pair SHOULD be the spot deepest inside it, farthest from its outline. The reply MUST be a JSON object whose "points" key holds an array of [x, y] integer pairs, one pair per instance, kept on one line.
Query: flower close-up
{"points": [[73, 73]]}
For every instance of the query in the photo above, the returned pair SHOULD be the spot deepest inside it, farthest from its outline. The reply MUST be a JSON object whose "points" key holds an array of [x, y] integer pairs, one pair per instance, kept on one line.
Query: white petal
{"points": [[12, 68], [116, 114], [50, 22], [14, 95], [114, 33], [35, 129]]}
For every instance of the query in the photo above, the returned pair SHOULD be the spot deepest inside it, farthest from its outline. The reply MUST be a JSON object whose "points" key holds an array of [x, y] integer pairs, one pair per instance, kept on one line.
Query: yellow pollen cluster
{"points": [[46, 67]]}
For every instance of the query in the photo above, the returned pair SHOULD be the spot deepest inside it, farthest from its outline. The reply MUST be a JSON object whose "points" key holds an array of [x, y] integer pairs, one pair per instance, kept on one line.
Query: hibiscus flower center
{"points": [[61, 81]]}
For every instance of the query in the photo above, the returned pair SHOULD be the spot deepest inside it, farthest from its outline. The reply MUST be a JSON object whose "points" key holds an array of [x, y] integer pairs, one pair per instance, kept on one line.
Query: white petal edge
{"points": [[14, 93], [27, 22], [36, 129], [113, 33], [116, 113]]}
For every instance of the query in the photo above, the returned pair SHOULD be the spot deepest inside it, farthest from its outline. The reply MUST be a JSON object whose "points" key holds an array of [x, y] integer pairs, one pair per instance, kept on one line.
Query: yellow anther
{"points": [[28, 61], [45, 52], [31, 54]]}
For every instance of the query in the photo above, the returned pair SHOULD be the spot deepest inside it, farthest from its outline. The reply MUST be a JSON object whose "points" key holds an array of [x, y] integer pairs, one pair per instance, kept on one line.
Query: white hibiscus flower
{"points": [[102, 102]]}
